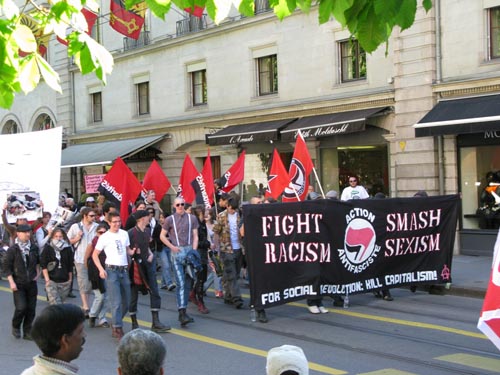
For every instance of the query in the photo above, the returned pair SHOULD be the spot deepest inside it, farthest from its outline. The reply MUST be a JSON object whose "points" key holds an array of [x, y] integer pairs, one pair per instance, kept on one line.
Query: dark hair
{"points": [[107, 206], [289, 372], [233, 203], [102, 226], [86, 210], [54, 322], [112, 215], [199, 210], [63, 232], [139, 202]]}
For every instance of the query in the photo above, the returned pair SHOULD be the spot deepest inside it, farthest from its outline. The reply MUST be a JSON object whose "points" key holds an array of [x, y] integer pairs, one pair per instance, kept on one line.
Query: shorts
{"points": [[84, 284]]}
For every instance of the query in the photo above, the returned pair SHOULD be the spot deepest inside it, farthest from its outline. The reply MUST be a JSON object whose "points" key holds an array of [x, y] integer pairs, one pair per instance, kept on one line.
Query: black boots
{"points": [[184, 318], [135, 325], [157, 326]]}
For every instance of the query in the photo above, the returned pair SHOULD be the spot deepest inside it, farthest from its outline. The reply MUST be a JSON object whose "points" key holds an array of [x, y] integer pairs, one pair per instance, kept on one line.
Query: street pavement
{"points": [[470, 275]]}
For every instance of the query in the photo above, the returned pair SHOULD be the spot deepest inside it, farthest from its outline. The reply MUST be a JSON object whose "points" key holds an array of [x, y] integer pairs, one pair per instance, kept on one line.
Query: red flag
{"points": [[300, 169], [127, 22], [234, 175], [156, 180], [208, 180], [91, 17], [121, 187], [196, 11], [278, 178], [188, 175], [489, 321]]}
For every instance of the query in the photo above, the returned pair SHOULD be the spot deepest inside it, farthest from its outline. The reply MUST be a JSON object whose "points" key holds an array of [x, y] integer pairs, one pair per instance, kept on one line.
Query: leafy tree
{"points": [[22, 65]]}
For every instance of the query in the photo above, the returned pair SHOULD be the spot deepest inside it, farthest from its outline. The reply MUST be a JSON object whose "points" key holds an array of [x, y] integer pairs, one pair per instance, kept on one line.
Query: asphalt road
{"points": [[414, 334]]}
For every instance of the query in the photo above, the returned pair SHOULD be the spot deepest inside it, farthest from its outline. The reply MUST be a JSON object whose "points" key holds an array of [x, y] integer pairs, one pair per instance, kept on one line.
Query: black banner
{"points": [[327, 247]]}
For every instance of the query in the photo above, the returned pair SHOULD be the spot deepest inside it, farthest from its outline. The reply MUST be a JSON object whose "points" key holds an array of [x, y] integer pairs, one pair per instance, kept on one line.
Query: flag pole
{"points": [[175, 191], [319, 182]]}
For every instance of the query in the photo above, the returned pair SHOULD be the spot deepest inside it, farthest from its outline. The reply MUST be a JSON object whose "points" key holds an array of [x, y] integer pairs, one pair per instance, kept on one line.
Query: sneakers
{"points": [[103, 324], [219, 294], [16, 332], [338, 301], [92, 322], [238, 303], [323, 310], [171, 287], [28, 337], [261, 316], [164, 287], [314, 309]]}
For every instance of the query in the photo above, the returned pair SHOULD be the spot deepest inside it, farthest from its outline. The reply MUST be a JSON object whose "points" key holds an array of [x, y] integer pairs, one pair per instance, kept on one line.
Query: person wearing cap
{"points": [[354, 191], [287, 360], [22, 268], [140, 237]]}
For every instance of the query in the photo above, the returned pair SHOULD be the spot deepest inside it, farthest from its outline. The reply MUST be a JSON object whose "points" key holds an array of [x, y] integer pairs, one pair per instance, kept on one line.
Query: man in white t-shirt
{"points": [[354, 191], [80, 235], [115, 244]]}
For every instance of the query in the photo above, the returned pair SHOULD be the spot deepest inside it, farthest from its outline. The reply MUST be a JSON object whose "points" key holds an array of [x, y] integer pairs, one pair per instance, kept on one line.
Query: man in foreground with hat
{"points": [[22, 267], [287, 360]]}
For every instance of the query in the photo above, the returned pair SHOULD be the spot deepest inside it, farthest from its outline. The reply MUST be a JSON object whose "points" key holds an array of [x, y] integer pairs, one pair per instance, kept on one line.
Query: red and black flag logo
{"points": [[127, 22]]}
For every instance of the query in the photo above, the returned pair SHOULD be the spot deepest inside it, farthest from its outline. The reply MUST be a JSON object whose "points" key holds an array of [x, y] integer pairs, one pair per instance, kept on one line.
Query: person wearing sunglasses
{"points": [[80, 235], [354, 191], [180, 234]]}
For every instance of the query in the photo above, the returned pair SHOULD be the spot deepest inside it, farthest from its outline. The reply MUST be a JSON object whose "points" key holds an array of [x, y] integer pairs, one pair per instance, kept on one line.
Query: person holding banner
{"points": [[227, 239], [180, 234]]}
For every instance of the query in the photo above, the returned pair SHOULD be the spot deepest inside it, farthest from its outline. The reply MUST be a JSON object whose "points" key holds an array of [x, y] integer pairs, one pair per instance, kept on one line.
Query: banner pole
{"points": [[319, 182]]}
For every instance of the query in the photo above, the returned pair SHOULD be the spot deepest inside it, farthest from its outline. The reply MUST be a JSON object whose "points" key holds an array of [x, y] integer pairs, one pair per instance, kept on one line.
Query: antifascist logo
{"points": [[297, 174]]}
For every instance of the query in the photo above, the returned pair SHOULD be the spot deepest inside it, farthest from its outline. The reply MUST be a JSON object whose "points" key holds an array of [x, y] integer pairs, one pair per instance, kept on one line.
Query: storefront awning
{"points": [[248, 133], [104, 152], [461, 116], [330, 124]]}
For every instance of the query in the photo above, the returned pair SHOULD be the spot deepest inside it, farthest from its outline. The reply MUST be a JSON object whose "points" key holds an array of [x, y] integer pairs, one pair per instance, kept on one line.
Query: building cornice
{"points": [[472, 87]]}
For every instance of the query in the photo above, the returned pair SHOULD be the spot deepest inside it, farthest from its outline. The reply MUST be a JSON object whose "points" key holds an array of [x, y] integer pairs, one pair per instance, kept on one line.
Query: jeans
{"points": [[166, 266], [25, 305], [118, 288], [154, 295], [232, 268], [99, 306], [183, 288]]}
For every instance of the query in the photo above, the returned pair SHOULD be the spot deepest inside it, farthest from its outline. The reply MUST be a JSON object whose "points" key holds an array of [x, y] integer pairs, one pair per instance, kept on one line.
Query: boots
{"points": [[135, 324], [184, 318], [192, 297], [157, 326], [117, 333], [201, 306]]}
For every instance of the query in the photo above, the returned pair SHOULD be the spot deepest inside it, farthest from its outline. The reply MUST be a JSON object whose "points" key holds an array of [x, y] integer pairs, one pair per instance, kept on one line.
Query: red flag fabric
{"points": [[208, 180], [278, 178], [121, 187], [234, 175], [196, 11], [155, 179], [90, 16], [489, 321], [127, 22], [188, 175], [300, 169]]}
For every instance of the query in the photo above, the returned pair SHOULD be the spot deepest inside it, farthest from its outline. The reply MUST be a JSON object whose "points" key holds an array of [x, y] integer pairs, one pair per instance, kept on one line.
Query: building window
{"points": [[43, 122], [267, 67], [352, 61], [143, 98], [10, 127], [495, 33], [199, 87], [96, 107]]}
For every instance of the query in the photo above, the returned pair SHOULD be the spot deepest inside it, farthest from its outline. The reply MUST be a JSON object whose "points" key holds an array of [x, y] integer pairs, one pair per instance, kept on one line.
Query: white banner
{"points": [[32, 161]]}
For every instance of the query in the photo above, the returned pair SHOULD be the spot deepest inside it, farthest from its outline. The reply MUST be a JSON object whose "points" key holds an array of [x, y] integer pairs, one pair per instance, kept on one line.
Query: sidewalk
{"points": [[470, 275]]}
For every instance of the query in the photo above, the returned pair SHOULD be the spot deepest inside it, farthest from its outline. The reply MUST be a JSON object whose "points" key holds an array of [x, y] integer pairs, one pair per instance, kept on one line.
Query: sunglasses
{"points": [[101, 232], [179, 204]]}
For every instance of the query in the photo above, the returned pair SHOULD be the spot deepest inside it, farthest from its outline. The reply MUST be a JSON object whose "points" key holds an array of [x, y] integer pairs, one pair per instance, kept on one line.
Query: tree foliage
{"points": [[22, 65]]}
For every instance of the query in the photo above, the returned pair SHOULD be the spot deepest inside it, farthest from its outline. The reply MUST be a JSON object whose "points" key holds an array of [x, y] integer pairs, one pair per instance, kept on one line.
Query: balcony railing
{"points": [[191, 25], [262, 6], [130, 43]]}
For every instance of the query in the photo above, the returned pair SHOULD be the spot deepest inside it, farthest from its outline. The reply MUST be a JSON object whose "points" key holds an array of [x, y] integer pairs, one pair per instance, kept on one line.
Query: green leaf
{"points": [[159, 7], [339, 8], [427, 4], [304, 5], [325, 11], [6, 96], [282, 9], [247, 8], [49, 75], [406, 15], [371, 32], [29, 75], [24, 38]]}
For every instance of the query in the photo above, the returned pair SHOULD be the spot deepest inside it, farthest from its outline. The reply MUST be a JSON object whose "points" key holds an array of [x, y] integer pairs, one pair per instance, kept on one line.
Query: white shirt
{"points": [[232, 221], [87, 237], [114, 246], [357, 192]]}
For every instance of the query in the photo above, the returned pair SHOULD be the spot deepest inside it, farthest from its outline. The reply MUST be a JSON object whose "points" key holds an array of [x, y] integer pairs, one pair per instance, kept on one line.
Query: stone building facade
{"points": [[251, 83]]}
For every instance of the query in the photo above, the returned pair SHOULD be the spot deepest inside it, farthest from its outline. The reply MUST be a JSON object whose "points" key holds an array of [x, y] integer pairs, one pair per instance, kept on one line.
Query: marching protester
{"points": [[141, 353], [42, 233], [203, 247], [56, 262], [115, 244], [80, 235], [287, 360], [163, 253], [354, 191], [214, 269], [139, 238], [21, 266], [99, 306], [132, 220], [227, 240], [151, 201], [180, 234], [59, 333]]}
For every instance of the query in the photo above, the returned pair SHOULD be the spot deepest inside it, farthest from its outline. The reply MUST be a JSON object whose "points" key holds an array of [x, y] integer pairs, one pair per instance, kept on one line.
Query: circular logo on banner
{"points": [[297, 180], [359, 242]]}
